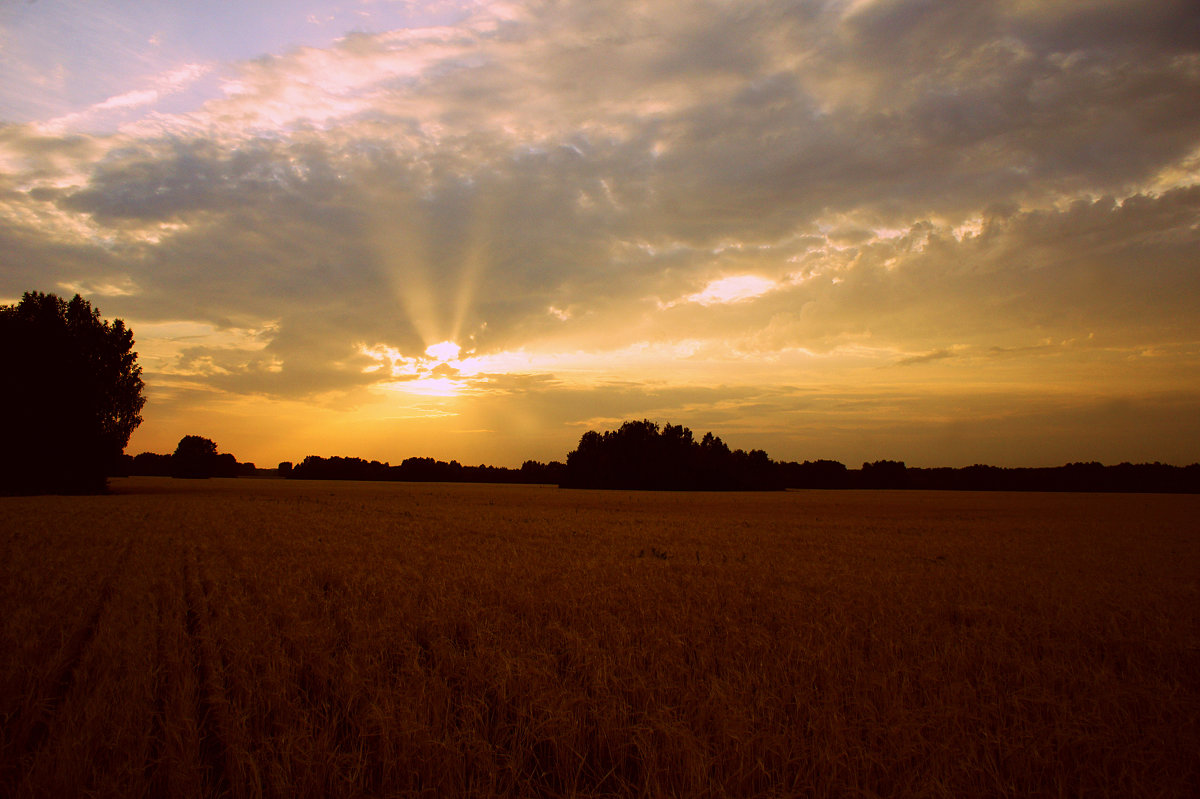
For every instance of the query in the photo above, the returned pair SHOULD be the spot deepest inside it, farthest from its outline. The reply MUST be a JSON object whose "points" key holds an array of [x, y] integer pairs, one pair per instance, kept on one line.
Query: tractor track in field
{"points": [[158, 731], [27, 733], [212, 700]]}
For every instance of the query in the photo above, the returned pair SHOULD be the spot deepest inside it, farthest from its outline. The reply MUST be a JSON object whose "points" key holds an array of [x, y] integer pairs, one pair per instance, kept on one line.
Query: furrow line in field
{"points": [[158, 731], [171, 768], [212, 711], [30, 730], [174, 766]]}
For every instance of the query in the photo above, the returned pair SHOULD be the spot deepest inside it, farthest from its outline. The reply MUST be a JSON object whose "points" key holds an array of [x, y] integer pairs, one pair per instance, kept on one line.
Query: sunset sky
{"points": [[940, 232]]}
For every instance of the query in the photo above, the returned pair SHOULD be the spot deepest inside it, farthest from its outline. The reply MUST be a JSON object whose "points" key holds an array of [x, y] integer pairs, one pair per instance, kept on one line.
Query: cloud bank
{"points": [[833, 229]]}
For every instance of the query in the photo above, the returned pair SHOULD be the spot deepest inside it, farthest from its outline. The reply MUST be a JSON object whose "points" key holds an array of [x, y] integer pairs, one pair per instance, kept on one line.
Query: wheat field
{"points": [[252, 638]]}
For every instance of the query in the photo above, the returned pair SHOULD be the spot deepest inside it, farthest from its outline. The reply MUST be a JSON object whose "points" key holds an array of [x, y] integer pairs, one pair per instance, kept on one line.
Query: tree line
{"points": [[1090, 476], [314, 467], [642, 455]]}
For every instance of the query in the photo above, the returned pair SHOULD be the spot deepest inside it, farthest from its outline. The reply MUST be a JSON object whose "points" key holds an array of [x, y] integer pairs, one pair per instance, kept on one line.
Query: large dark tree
{"points": [[72, 395]]}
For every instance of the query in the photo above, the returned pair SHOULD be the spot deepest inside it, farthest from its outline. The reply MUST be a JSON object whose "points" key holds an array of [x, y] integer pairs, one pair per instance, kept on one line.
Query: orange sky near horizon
{"points": [[939, 233]]}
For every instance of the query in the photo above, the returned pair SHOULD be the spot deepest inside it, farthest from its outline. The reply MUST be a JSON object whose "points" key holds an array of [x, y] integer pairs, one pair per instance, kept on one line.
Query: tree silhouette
{"points": [[195, 457], [884, 474], [72, 397], [152, 464], [640, 455]]}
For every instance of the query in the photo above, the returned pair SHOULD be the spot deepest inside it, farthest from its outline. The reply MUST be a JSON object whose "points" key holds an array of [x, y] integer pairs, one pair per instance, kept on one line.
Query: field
{"points": [[293, 639]]}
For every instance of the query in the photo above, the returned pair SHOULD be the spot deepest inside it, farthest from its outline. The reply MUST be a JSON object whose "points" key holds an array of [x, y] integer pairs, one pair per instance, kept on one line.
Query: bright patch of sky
{"points": [[732, 289]]}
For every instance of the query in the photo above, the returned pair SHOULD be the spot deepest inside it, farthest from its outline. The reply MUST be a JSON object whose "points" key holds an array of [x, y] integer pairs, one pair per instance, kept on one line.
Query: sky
{"points": [[938, 232]]}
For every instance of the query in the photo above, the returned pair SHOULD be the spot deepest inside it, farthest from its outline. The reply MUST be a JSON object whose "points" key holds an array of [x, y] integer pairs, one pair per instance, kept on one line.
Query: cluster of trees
{"points": [[195, 457], [641, 455], [314, 467], [72, 395]]}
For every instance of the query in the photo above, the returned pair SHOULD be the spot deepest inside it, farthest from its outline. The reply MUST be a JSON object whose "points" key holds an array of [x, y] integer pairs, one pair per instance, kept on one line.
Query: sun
{"points": [[435, 374], [443, 351]]}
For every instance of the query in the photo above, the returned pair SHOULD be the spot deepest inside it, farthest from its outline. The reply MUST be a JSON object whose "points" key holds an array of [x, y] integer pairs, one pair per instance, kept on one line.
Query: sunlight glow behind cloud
{"points": [[443, 351], [427, 387], [732, 289]]}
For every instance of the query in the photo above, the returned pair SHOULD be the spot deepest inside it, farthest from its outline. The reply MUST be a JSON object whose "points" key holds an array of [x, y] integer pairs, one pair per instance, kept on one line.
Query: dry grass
{"points": [[266, 638]]}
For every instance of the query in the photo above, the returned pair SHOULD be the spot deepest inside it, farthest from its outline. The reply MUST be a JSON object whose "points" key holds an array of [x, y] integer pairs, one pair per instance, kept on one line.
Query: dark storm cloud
{"points": [[1021, 99]]}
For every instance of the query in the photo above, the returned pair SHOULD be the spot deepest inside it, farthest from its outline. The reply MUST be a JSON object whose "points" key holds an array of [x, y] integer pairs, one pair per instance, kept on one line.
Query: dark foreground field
{"points": [[257, 637]]}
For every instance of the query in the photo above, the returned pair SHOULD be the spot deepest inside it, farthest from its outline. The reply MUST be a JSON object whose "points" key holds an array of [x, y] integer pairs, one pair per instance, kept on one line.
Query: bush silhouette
{"points": [[72, 397]]}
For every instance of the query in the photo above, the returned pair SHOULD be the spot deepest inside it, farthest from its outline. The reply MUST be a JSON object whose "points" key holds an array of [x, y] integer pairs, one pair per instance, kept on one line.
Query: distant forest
{"points": [[642, 455]]}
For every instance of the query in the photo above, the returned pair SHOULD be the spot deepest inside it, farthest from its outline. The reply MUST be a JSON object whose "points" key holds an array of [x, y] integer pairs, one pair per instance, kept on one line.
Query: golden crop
{"points": [[269, 638]]}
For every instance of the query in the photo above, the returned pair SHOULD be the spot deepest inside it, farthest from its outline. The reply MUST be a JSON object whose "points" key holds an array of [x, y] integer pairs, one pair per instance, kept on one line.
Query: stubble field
{"points": [[269, 638]]}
